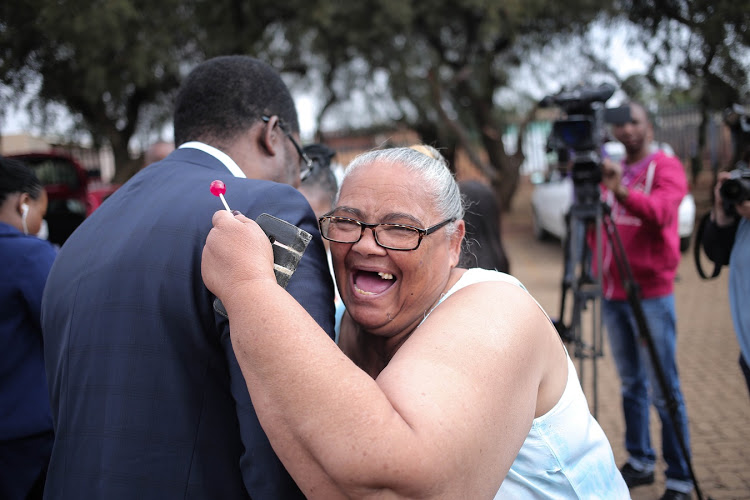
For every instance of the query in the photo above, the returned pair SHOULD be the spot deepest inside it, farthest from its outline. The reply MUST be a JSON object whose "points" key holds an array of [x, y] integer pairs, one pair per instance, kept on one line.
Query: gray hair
{"points": [[430, 166]]}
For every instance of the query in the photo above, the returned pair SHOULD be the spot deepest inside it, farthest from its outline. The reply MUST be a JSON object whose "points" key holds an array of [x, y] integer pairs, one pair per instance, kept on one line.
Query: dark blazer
{"points": [[147, 397], [25, 419]]}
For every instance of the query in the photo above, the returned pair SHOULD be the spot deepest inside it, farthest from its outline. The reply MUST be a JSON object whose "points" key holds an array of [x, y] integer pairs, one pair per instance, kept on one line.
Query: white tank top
{"points": [[566, 453]]}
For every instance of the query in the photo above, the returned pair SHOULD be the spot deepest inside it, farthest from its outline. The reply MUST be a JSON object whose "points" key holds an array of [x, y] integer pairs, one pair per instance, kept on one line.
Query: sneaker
{"points": [[635, 477], [676, 495]]}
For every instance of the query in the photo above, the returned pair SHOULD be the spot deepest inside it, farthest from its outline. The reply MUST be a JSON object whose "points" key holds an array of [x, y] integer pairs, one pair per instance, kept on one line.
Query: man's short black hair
{"points": [[225, 96]]}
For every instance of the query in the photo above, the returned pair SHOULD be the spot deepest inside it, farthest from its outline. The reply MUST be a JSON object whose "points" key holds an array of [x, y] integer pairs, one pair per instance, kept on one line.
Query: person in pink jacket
{"points": [[644, 193]]}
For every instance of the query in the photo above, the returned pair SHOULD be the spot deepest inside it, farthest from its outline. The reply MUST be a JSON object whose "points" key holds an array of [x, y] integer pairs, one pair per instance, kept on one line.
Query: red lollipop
{"points": [[218, 189]]}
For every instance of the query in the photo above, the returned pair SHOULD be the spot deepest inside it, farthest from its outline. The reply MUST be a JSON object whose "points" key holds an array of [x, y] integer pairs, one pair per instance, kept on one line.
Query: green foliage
{"points": [[434, 64], [103, 60], [110, 62], [445, 61], [708, 41]]}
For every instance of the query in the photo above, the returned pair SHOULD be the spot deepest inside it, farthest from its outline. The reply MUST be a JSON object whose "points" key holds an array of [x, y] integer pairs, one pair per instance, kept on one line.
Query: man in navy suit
{"points": [[147, 397]]}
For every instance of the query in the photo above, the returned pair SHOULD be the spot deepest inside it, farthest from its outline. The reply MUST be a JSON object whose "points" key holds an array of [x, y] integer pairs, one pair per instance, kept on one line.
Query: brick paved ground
{"points": [[717, 399]]}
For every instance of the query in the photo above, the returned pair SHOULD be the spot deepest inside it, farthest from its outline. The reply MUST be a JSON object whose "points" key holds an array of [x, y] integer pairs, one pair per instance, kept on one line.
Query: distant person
{"points": [[25, 260], [321, 186], [452, 383], [320, 189], [483, 245], [147, 396], [157, 152], [644, 192], [726, 240]]}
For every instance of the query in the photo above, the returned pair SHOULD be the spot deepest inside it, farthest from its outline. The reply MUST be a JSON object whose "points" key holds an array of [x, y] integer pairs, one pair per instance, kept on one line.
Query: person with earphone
{"points": [[25, 417]]}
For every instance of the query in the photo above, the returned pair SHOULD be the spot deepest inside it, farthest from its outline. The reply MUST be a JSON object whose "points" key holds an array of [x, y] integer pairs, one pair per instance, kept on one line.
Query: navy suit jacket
{"points": [[147, 397], [25, 419]]}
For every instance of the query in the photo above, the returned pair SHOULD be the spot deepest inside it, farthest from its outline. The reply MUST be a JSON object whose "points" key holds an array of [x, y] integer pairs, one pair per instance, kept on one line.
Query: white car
{"points": [[551, 200]]}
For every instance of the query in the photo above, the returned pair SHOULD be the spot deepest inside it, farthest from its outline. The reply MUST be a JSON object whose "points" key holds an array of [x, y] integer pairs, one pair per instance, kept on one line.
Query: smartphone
{"points": [[289, 243]]}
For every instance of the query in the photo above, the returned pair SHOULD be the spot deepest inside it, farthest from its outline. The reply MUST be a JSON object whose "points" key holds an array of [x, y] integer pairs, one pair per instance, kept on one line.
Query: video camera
{"points": [[580, 134], [736, 189]]}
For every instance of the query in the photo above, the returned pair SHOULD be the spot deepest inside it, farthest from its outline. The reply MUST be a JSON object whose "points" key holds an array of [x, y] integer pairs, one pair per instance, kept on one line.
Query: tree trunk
{"points": [[125, 167], [507, 167], [696, 162]]}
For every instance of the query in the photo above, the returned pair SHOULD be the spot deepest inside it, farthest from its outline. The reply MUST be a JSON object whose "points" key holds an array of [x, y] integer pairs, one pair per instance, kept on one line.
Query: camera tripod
{"points": [[587, 293], [585, 290]]}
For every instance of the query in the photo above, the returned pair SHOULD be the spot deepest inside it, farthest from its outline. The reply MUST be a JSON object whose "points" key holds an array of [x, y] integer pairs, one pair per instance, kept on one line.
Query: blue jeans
{"points": [[639, 384]]}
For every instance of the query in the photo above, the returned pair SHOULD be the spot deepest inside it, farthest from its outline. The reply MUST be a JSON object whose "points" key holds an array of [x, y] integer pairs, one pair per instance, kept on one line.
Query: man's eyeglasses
{"points": [[306, 164], [390, 236]]}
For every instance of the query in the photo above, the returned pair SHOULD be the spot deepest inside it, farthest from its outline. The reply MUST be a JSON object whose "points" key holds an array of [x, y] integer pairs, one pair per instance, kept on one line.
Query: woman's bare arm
{"points": [[446, 417]]}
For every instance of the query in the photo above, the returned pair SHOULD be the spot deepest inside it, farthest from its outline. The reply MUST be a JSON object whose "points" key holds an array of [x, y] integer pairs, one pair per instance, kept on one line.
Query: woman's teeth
{"points": [[382, 276]]}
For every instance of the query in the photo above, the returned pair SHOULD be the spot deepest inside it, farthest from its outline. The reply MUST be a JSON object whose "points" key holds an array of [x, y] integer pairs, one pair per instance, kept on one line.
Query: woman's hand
{"points": [[237, 251]]}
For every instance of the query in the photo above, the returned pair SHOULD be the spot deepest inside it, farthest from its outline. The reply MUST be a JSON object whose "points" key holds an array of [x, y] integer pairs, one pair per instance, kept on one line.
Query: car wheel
{"points": [[684, 244]]}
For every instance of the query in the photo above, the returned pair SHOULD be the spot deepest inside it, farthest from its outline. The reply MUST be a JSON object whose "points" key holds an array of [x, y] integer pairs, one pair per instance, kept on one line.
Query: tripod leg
{"points": [[596, 331], [565, 332], [586, 291], [634, 300]]}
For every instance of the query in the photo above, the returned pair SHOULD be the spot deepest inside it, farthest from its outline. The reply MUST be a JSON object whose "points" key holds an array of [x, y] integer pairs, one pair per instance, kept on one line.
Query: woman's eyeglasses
{"points": [[390, 236]]}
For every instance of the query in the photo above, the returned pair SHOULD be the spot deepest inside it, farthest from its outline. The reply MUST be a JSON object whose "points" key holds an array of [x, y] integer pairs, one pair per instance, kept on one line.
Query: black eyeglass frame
{"points": [[364, 225], [309, 164]]}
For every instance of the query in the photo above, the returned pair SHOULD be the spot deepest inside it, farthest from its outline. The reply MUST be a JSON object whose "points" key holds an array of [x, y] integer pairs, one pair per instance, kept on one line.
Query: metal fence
{"points": [[534, 146], [679, 128]]}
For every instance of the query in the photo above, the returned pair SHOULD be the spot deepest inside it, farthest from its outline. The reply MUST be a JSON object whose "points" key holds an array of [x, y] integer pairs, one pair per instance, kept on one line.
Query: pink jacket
{"points": [[647, 224]]}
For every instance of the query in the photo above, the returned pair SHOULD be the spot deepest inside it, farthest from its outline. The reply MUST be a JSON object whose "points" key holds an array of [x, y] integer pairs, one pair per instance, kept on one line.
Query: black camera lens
{"points": [[736, 189]]}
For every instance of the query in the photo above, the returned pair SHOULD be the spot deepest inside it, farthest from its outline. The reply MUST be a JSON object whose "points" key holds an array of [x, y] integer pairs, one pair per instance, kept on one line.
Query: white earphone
{"points": [[24, 213]]}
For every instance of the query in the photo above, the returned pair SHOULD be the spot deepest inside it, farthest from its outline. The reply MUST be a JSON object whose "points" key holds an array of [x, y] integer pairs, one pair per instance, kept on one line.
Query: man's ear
{"points": [[269, 137]]}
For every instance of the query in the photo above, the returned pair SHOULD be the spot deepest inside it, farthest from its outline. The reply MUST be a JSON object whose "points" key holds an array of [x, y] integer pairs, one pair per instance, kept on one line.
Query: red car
{"points": [[73, 194]]}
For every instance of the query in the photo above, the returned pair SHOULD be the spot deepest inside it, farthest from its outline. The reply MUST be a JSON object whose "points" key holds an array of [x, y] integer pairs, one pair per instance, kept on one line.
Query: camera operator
{"points": [[726, 241], [644, 193]]}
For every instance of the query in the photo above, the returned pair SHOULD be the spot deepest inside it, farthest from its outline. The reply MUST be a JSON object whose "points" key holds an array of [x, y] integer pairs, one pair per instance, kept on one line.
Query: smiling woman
{"points": [[448, 383]]}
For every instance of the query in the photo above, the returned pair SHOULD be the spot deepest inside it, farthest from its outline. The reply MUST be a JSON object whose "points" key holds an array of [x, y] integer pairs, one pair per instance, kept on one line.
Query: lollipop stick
{"points": [[224, 202]]}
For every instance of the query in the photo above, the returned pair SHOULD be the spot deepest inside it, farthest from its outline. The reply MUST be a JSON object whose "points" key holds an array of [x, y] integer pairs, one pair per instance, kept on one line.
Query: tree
{"points": [[445, 62], [708, 44], [435, 65], [116, 65], [104, 61]]}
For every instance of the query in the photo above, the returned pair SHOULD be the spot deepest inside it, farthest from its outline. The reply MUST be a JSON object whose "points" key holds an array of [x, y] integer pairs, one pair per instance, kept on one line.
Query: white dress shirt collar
{"points": [[219, 155]]}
